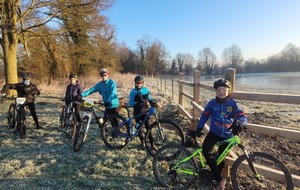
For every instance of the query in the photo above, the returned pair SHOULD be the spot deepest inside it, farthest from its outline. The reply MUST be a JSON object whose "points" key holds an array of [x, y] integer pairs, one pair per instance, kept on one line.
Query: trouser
{"points": [[112, 111], [31, 107], [77, 112], [209, 142], [141, 133]]}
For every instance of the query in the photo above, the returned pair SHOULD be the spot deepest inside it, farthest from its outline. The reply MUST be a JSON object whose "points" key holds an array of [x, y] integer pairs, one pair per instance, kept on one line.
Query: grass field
{"points": [[45, 159]]}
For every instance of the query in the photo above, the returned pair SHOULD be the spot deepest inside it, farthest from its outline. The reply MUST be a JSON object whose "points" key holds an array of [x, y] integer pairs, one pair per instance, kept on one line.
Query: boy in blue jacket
{"points": [[139, 98], [222, 112]]}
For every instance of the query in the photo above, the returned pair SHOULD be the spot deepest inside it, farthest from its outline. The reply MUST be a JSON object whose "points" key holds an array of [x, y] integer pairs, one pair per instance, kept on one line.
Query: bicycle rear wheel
{"points": [[80, 134], [158, 135], [11, 116], [243, 178], [113, 134], [169, 169]]}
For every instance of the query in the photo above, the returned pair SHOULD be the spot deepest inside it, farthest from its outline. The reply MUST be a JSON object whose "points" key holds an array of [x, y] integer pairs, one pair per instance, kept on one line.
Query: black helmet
{"points": [[72, 76], [26, 76], [222, 82], [139, 79], [103, 70]]}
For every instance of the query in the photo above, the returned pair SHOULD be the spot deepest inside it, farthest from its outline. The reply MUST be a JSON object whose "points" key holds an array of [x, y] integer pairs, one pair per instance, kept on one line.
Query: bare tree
{"points": [[185, 62], [291, 53], [20, 19], [208, 60], [174, 68], [179, 58], [232, 56], [152, 54]]}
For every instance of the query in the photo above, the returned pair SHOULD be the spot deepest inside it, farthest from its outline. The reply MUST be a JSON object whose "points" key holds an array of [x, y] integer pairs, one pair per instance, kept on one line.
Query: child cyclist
{"points": [[139, 98], [73, 92], [108, 90], [223, 112], [26, 89]]}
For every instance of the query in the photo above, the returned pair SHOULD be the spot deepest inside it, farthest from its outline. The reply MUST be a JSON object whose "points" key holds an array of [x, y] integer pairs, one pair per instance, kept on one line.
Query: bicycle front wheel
{"points": [[11, 116], [22, 119], [271, 173], [80, 134], [170, 170], [71, 127], [113, 134], [161, 133], [62, 117]]}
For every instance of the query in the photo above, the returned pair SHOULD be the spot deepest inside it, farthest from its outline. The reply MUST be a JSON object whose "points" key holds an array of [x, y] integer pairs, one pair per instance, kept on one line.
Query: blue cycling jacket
{"points": [[108, 91], [222, 116], [142, 91]]}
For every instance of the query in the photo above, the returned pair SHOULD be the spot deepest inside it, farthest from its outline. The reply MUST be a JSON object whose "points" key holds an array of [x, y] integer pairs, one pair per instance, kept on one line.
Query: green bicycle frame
{"points": [[231, 143]]}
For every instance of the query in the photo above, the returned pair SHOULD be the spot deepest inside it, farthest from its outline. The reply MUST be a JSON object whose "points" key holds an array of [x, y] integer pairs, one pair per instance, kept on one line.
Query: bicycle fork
{"points": [[250, 162], [87, 125], [160, 131]]}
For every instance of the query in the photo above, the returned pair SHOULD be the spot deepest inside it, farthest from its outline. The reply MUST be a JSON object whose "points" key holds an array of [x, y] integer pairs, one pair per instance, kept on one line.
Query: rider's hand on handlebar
{"points": [[137, 97], [107, 104], [237, 127], [198, 133]]}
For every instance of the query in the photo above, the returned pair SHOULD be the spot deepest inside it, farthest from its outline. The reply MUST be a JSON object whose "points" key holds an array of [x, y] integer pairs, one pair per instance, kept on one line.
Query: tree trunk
{"points": [[10, 45], [10, 56]]}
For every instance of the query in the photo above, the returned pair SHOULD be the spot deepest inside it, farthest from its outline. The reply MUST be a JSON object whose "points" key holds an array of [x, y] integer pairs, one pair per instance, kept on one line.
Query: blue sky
{"points": [[261, 28]]}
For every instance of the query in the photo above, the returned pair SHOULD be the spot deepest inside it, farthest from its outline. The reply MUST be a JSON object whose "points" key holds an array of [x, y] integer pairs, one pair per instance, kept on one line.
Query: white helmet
{"points": [[103, 70]]}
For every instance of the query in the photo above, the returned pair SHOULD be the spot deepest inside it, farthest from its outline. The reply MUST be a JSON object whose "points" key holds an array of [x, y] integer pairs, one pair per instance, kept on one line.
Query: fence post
{"points": [[172, 88], [165, 84], [229, 74], [180, 89], [157, 76], [196, 98], [161, 87]]}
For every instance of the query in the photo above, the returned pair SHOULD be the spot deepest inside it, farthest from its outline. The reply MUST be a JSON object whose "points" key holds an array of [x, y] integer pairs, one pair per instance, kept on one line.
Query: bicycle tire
{"points": [[163, 167], [22, 122], [80, 134], [11, 116], [115, 139], [62, 117], [169, 131], [243, 178], [70, 127]]}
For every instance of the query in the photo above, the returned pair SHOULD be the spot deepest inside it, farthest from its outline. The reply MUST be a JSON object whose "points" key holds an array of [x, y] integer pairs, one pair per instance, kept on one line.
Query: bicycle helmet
{"points": [[26, 76], [139, 78], [72, 76], [103, 70], [222, 82]]}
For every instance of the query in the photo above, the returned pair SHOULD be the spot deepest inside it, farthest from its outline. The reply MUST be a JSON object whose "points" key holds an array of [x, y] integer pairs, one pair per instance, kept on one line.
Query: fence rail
{"points": [[253, 96]]}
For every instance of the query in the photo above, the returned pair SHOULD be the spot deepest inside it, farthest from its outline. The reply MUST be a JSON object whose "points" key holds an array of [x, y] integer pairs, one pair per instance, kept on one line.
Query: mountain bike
{"points": [[82, 132], [17, 116], [118, 131], [68, 120], [174, 166]]}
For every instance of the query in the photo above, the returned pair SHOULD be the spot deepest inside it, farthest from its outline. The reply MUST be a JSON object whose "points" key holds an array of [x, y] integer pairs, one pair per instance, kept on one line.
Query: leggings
{"points": [[209, 142]]}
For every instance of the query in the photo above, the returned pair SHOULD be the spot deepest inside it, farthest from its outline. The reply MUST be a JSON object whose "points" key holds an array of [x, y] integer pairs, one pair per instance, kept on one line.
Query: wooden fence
{"points": [[230, 75]]}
